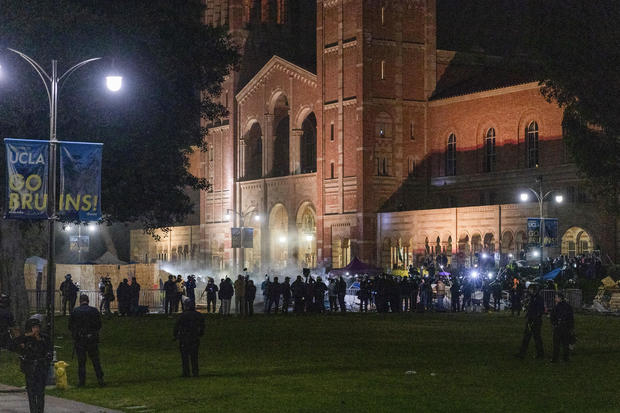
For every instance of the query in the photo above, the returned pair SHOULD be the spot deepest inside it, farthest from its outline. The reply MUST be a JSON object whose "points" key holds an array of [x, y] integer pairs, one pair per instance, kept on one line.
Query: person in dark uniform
{"points": [[455, 294], [188, 329], [123, 294], [298, 288], [274, 295], [33, 348], [134, 302], [286, 294], [7, 321], [563, 323], [341, 288], [364, 294], [319, 289], [211, 290], [69, 291], [170, 290], [190, 287], [533, 324], [84, 324], [250, 296]]}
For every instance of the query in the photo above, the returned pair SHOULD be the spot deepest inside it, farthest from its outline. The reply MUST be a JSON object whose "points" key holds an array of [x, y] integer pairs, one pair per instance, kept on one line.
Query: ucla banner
{"points": [[550, 232], [80, 181], [26, 179]]}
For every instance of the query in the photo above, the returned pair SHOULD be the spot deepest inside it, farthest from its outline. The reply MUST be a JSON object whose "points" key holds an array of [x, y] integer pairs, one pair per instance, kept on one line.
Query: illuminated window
{"points": [[451, 156], [382, 15], [489, 151], [531, 137]]}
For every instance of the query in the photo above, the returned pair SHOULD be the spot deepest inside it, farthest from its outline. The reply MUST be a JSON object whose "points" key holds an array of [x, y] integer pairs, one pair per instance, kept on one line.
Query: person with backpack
{"points": [[226, 293], [69, 291], [84, 325]]}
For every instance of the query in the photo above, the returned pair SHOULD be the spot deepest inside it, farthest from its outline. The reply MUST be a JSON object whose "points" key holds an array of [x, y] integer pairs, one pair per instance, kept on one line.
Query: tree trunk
{"points": [[12, 259]]}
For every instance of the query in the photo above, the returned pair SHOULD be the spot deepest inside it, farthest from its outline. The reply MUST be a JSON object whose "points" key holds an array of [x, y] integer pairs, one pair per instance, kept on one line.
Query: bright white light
{"points": [[474, 274], [227, 217], [92, 227], [347, 274], [309, 237], [509, 255], [257, 218], [490, 275], [559, 199], [282, 239], [114, 83], [524, 196], [484, 255], [536, 253], [67, 228]]}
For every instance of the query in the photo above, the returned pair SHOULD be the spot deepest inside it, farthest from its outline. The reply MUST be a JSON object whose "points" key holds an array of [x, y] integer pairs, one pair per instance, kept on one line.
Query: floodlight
{"points": [[524, 196], [559, 199], [114, 83]]}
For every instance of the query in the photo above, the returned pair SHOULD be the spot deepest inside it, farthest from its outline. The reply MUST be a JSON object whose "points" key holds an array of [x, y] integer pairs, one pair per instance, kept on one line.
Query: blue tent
{"points": [[552, 274]]}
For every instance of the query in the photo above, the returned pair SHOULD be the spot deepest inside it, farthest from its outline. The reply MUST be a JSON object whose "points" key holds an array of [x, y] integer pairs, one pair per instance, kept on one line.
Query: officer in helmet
{"points": [[33, 348], [69, 291], [7, 321], [84, 324], [533, 324]]}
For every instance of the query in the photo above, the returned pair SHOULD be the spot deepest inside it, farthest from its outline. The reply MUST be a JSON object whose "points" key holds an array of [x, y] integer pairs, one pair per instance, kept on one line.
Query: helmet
{"points": [[5, 300], [33, 321], [68, 276]]}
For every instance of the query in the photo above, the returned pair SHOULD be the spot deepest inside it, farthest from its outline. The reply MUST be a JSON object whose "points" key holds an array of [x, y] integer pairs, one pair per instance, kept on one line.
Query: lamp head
{"points": [[114, 83], [524, 196], [559, 199]]}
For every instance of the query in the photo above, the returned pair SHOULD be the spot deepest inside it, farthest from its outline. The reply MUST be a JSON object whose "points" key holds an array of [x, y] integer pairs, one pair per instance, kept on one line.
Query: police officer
{"points": [[211, 289], [7, 321], [563, 323], [533, 324], [69, 291], [33, 348], [84, 324], [190, 326]]}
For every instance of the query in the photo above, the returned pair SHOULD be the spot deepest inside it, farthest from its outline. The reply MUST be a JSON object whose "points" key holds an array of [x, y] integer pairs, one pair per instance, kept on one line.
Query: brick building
{"points": [[353, 135]]}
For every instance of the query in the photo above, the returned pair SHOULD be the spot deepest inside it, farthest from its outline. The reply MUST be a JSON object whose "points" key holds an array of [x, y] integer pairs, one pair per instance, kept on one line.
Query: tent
{"points": [[38, 261], [552, 274], [355, 267], [109, 259]]}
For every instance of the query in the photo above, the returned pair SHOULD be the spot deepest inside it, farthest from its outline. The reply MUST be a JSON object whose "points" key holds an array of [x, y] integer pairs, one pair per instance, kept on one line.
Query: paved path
{"points": [[15, 400]]}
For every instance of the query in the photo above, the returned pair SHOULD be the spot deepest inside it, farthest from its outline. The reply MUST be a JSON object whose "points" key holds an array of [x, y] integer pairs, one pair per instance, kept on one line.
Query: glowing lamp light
{"points": [[490, 275], [309, 237], [559, 199], [536, 253], [484, 255], [114, 83], [257, 218], [67, 228], [347, 273], [474, 274], [282, 239], [227, 217], [524, 196], [509, 255], [92, 227]]}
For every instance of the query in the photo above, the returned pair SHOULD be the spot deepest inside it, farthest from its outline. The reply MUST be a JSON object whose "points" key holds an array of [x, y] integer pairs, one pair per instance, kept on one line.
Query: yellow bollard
{"points": [[61, 375]]}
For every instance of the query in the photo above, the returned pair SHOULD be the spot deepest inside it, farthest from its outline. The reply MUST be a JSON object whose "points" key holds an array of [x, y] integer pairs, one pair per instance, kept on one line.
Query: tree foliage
{"points": [[576, 46], [166, 56]]}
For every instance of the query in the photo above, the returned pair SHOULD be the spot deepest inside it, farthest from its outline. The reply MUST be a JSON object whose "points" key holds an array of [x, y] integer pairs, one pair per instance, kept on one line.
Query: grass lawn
{"points": [[351, 362]]}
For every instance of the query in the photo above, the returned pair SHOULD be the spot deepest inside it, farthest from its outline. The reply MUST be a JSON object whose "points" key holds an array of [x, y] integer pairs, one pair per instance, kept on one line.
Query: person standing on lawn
{"points": [[211, 291], [240, 295], [533, 324], [69, 291], [188, 329], [84, 324], [33, 348], [170, 291], [563, 323], [250, 295]]}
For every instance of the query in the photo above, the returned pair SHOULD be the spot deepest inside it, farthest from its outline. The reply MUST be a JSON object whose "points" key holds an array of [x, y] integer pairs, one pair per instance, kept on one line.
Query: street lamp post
{"points": [[51, 83], [541, 196], [242, 217]]}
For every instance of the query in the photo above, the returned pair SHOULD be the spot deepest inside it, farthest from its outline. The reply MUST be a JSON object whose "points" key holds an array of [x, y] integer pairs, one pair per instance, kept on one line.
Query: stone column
{"points": [[242, 155], [294, 154]]}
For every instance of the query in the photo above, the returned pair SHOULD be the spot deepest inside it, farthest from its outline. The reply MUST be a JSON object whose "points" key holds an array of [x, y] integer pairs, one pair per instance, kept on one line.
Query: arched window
{"points": [[531, 139], [451, 156], [308, 144], [489, 151]]}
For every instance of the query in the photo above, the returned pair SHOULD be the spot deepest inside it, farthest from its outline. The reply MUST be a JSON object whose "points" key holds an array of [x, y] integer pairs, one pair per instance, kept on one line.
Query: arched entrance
{"points": [[308, 144], [278, 235], [306, 230], [576, 241]]}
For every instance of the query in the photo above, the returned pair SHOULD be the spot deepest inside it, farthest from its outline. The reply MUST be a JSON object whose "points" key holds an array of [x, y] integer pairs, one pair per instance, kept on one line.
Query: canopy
{"points": [[109, 258], [355, 267], [38, 261], [552, 274]]}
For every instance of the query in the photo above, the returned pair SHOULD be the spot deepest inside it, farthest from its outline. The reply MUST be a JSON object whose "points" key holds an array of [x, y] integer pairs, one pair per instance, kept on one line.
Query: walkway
{"points": [[15, 400]]}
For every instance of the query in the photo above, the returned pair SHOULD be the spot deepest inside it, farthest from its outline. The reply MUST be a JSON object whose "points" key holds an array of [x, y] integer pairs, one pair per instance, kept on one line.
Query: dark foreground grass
{"points": [[348, 363]]}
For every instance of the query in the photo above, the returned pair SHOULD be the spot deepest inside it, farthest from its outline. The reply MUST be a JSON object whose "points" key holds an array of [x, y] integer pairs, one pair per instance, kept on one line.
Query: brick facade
{"points": [[405, 153]]}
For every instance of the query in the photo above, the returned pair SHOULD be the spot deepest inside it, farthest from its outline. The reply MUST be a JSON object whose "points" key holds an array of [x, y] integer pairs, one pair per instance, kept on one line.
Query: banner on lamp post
{"points": [[235, 237], [27, 178], [550, 232], [80, 181], [247, 237]]}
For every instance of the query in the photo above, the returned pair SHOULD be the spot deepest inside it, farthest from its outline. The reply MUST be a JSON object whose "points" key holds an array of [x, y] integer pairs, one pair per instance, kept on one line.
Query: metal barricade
{"points": [[573, 297], [37, 300]]}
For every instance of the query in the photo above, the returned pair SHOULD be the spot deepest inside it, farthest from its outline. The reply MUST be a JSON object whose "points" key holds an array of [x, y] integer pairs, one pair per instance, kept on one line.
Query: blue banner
{"points": [[27, 178], [80, 181], [550, 234]]}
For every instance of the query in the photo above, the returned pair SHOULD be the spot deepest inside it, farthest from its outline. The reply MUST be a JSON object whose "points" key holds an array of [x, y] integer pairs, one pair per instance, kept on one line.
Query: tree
{"points": [[575, 44], [173, 67]]}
